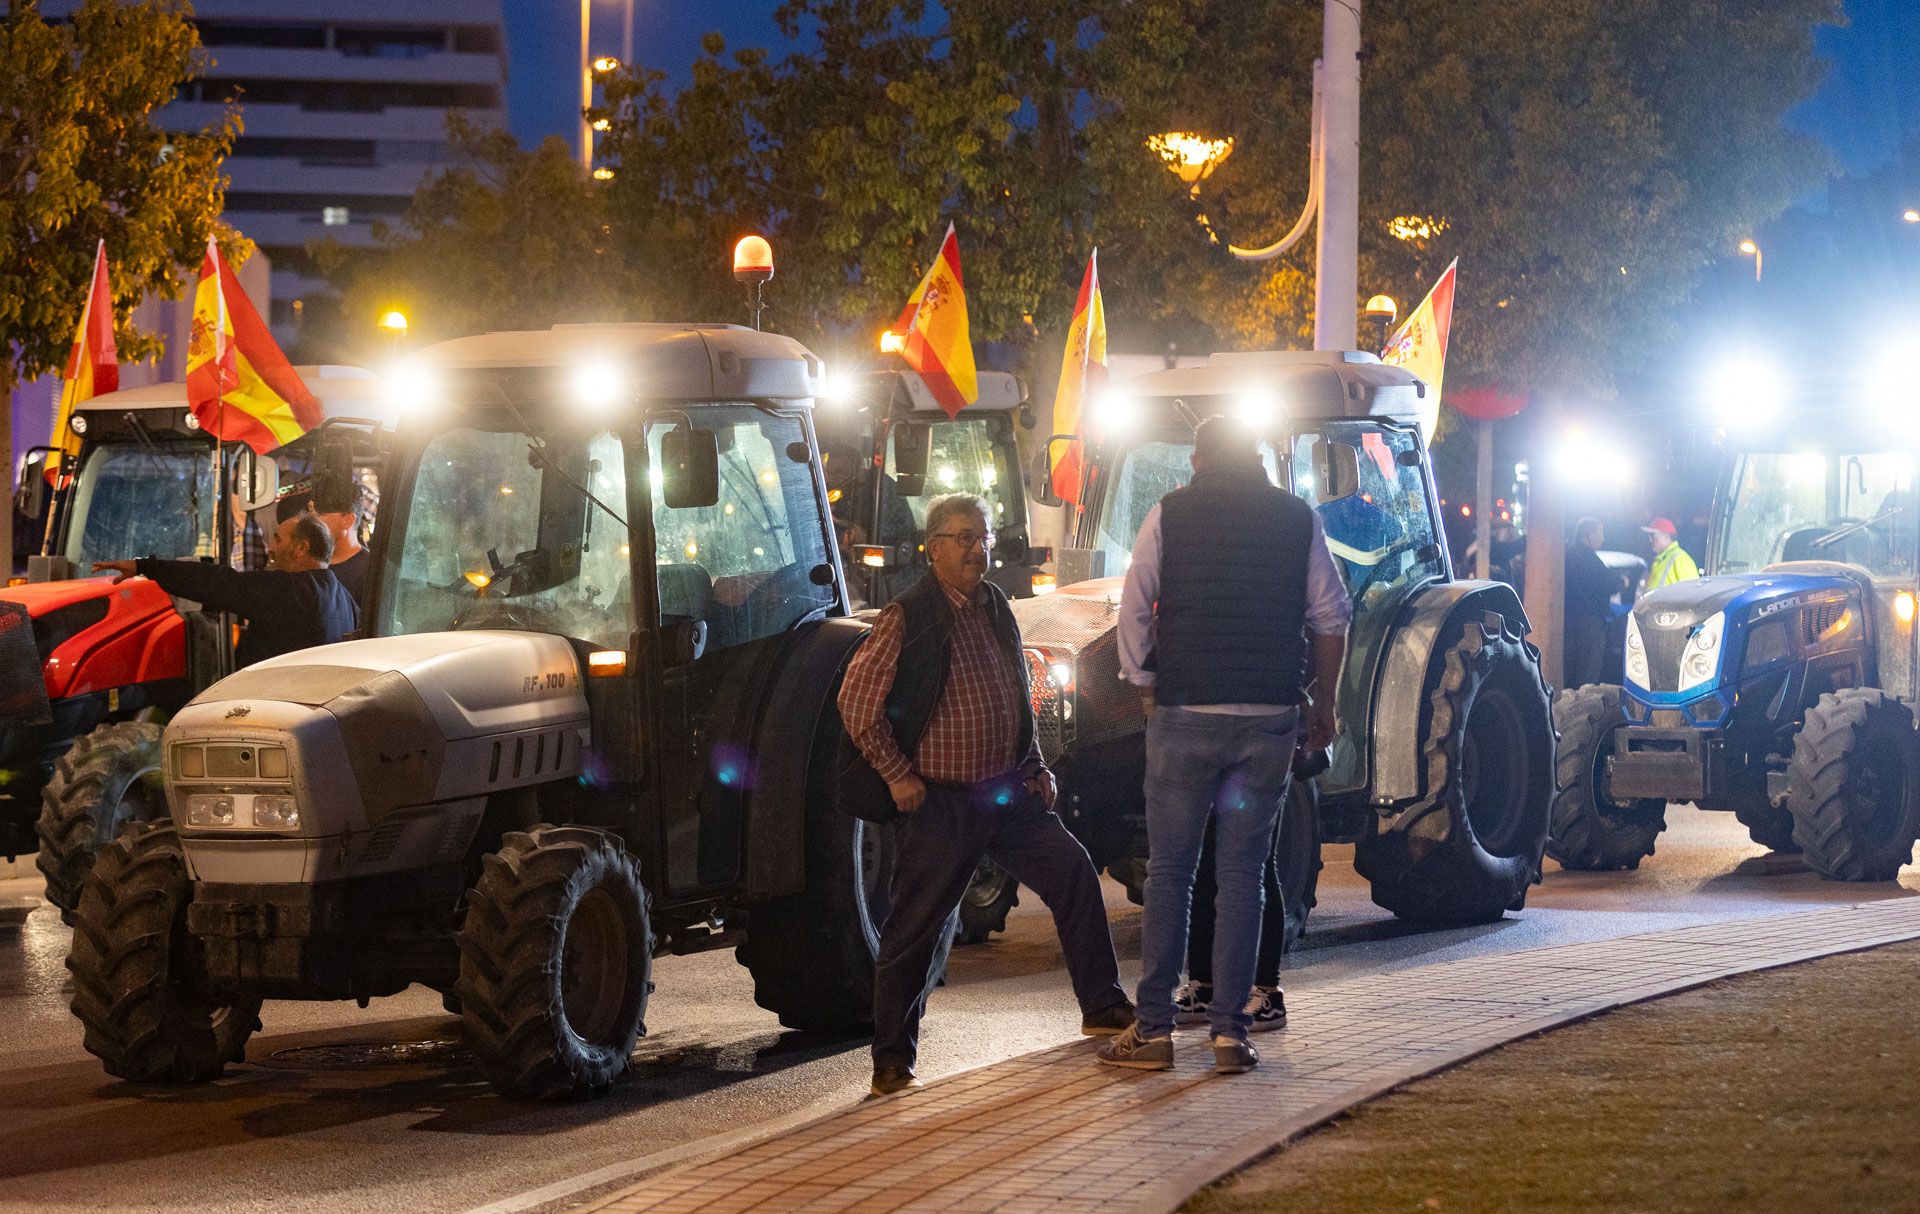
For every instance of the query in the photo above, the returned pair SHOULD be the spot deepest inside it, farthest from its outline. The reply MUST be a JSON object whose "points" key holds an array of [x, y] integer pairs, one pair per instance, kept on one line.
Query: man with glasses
{"points": [[941, 735]]}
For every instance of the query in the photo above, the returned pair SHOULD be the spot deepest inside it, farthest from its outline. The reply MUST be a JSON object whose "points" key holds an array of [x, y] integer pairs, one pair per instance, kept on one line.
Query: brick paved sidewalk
{"points": [[1055, 1131]]}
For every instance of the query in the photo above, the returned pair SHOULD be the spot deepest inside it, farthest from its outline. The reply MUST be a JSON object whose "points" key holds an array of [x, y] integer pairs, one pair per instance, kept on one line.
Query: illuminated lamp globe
{"points": [[753, 259], [1382, 307], [394, 321]]}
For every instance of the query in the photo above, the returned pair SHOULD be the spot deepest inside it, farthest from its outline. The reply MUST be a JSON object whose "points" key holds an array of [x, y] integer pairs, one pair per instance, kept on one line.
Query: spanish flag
{"points": [[94, 366], [1420, 345], [239, 384], [934, 325], [1082, 373]]}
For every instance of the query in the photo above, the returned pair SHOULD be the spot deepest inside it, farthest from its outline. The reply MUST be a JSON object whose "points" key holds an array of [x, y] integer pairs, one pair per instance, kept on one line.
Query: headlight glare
{"points": [[1700, 661], [1637, 672], [209, 809], [281, 813]]}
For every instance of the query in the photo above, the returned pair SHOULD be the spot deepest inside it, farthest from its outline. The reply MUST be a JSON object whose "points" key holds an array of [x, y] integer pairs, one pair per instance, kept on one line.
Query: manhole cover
{"points": [[357, 1055]]}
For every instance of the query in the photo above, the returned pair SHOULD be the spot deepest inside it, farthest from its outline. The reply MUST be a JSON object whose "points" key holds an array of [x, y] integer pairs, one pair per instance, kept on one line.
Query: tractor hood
{"points": [[1684, 605]]}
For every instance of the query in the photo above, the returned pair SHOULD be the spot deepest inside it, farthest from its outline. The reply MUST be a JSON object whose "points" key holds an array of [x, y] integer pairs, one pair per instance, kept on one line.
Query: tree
{"points": [[504, 239], [82, 160], [1583, 158]]}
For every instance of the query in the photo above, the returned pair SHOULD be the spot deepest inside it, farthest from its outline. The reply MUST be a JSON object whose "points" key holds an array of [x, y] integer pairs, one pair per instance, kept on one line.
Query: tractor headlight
{"points": [[209, 809], [278, 813], [1637, 672], [1700, 661]]}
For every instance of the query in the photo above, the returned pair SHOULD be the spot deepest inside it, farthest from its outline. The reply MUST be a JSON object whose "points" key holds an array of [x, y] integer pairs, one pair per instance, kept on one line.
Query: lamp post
{"points": [[1750, 249], [1333, 180], [591, 67]]}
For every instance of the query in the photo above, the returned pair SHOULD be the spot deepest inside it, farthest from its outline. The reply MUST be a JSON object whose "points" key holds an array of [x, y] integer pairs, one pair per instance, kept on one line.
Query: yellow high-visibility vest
{"points": [[1670, 566]]}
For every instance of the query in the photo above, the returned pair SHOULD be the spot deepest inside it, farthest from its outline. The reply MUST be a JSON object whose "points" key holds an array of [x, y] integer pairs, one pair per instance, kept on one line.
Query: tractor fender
{"points": [[130, 645], [788, 746], [1427, 623]]}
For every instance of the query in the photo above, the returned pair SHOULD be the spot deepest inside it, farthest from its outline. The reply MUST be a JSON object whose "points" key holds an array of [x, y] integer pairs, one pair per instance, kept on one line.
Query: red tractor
{"points": [[90, 670]]}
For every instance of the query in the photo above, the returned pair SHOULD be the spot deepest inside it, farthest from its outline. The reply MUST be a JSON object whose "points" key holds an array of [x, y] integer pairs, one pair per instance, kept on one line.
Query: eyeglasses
{"points": [[966, 539]]}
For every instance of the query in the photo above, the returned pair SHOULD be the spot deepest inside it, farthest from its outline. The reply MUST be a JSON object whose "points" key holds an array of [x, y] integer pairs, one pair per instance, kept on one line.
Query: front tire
{"points": [[107, 779], [555, 958], [1590, 831], [139, 986], [1853, 786], [983, 910], [1466, 851]]}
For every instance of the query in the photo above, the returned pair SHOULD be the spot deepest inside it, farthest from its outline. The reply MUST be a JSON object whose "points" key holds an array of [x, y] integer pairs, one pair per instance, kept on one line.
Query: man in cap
{"points": [[1670, 561]]}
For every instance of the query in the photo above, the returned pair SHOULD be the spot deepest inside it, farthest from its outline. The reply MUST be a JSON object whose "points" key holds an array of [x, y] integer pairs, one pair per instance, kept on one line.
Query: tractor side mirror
{"points": [[1336, 471], [256, 480], [1040, 488], [30, 484], [912, 446], [690, 468]]}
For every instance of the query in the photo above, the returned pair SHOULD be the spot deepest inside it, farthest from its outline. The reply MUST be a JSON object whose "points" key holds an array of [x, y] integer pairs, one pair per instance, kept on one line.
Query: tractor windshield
{"points": [[493, 536], [963, 456], [132, 500], [1148, 472], [1820, 506]]}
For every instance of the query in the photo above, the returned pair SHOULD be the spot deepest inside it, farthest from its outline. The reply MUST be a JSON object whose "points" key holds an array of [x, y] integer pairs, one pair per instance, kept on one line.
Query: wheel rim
{"points": [[989, 885], [145, 788], [873, 851], [1880, 792], [1494, 771], [593, 967]]}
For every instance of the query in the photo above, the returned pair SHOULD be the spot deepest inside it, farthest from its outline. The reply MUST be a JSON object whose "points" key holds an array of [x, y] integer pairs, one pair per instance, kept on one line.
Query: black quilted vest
{"points": [[1231, 624], [918, 680]]}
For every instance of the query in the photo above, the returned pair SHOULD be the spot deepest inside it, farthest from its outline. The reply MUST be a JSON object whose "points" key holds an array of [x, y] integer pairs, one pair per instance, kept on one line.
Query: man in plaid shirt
{"points": [[936, 702]]}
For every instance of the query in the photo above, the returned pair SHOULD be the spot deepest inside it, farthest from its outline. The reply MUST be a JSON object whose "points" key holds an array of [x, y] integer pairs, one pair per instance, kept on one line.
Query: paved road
{"points": [[344, 1109]]}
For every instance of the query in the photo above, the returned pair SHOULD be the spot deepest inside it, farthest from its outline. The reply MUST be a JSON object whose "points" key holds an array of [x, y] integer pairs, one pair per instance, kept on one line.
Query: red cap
{"points": [[1664, 526]]}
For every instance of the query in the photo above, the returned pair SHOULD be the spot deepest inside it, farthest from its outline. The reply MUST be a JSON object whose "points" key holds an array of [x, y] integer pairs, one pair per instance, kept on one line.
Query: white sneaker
{"points": [[1267, 1005], [1191, 1001]]}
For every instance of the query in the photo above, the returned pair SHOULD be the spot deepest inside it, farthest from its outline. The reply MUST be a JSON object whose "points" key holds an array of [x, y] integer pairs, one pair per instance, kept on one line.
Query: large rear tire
{"points": [[1466, 851], [555, 958], [1853, 786], [107, 779], [1590, 830], [139, 985], [983, 910], [1770, 827]]}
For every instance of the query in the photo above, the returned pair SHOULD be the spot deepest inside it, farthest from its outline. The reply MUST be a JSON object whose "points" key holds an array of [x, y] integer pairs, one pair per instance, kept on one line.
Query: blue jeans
{"points": [[1232, 770]]}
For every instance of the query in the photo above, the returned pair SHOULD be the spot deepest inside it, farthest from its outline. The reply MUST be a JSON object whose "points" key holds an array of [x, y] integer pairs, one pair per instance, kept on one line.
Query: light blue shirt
{"points": [[1328, 608]]}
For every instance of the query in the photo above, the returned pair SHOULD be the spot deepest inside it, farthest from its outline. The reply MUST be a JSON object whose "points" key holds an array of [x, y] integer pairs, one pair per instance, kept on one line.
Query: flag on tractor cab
{"points": [[1083, 371], [934, 326], [94, 366], [1420, 345], [239, 384]]}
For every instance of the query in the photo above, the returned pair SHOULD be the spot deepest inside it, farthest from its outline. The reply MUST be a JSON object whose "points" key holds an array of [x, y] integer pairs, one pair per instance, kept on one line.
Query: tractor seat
{"points": [[686, 592]]}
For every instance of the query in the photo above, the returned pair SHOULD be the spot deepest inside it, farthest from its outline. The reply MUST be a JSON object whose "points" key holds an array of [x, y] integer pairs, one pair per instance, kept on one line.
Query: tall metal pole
{"points": [[1337, 264], [586, 84], [626, 36], [1483, 502]]}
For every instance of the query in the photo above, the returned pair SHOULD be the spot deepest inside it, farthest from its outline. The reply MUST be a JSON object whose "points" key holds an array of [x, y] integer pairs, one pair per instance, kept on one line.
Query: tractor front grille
{"points": [[1049, 707]]}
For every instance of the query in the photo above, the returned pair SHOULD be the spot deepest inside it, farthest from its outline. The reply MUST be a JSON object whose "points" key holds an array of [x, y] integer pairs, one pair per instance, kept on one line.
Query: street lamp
{"points": [[1383, 311], [605, 64], [1910, 215], [1191, 157], [1750, 249], [394, 321]]}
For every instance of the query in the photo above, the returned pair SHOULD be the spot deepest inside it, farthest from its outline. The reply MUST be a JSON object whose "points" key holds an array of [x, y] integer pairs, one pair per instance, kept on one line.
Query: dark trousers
{"points": [[1583, 659], [940, 845], [1273, 918]]}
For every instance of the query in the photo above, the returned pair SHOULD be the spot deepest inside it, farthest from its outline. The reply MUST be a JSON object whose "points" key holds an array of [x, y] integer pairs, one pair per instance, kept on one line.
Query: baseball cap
{"points": [[1662, 525]]}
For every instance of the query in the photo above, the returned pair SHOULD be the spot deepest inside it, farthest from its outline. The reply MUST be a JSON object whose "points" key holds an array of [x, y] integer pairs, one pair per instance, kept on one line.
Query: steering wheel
{"points": [[504, 613]]}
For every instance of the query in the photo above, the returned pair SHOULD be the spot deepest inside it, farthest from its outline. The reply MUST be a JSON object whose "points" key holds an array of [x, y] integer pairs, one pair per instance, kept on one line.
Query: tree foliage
{"points": [[82, 160], [1583, 158]]}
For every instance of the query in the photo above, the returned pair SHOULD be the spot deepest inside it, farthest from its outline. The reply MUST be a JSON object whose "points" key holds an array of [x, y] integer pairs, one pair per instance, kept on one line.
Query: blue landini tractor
{"points": [[1781, 686]]}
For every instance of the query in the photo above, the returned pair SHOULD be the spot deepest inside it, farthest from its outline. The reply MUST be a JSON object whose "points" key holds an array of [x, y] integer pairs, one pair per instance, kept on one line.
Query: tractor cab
{"points": [[890, 450], [1804, 622]]}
